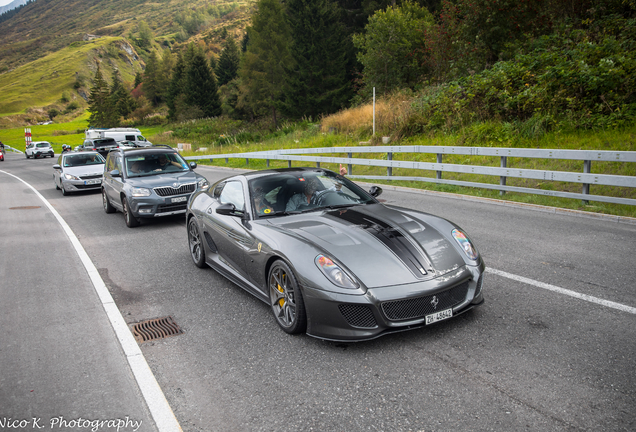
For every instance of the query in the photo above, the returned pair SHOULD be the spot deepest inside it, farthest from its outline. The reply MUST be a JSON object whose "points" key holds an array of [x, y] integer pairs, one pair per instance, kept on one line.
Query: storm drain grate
{"points": [[157, 328]]}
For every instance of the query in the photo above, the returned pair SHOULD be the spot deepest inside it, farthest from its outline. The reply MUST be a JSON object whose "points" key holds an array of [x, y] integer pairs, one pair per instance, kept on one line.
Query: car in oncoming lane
{"points": [[78, 171], [148, 182], [330, 259]]}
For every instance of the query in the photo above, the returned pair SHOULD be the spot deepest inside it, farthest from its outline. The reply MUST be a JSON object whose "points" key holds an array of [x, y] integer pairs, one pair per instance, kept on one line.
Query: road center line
{"points": [[154, 397], [564, 291]]}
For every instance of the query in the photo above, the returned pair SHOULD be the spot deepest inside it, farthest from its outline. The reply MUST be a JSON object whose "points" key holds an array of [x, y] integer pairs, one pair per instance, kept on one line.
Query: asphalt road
{"points": [[529, 359]]}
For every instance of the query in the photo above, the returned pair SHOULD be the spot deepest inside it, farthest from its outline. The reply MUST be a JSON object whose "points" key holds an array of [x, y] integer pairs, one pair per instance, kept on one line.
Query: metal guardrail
{"points": [[15, 150], [586, 178]]}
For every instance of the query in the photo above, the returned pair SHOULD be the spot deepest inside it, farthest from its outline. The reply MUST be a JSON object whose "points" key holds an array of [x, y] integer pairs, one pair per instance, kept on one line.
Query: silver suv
{"points": [[148, 182], [39, 148]]}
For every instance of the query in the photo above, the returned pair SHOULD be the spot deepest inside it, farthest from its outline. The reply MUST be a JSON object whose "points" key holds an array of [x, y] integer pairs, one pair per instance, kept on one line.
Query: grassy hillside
{"points": [[42, 82], [43, 27]]}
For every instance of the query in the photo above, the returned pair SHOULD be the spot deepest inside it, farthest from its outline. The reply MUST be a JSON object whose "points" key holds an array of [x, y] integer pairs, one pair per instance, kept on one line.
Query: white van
{"points": [[131, 135]]}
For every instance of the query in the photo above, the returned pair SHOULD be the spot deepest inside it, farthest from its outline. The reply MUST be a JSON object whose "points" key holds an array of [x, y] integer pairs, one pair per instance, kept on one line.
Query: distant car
{"points": [[148, 182], [101, 145], [78, 171], [39, 148], [339, 265], [1, 156]]}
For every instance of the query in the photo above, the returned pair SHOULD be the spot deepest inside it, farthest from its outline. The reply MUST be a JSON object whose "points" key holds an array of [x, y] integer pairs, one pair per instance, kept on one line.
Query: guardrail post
{"points": [[502, 179], [227, 160], [389, 170], [587, 168], [439, 161], [289, 163], [267, 163], [247, 161], [349, 166], [317, 164]]}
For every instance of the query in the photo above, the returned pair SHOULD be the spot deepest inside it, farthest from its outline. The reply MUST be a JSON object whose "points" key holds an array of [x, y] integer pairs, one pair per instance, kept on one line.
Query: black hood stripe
{"points": [[389, 235]]}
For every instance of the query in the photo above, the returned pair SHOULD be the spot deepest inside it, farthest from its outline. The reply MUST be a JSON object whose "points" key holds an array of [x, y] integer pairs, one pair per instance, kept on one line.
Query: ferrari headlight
{"points": [[140, 192], [334, 273], [465, 244], [70, 177]]}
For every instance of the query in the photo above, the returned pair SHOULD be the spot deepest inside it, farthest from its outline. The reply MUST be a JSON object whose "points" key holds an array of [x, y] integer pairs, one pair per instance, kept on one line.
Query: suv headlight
{"points": [[203, 184], [140, 192], [465, 244], [334, 273]]}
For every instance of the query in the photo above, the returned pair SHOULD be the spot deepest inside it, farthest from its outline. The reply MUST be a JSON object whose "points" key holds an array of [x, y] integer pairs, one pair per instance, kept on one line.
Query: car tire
{"points": [[108, 208], [285, 299], [195, 243], [27, 156], [64, 192], [131, 220], [57, 187]]}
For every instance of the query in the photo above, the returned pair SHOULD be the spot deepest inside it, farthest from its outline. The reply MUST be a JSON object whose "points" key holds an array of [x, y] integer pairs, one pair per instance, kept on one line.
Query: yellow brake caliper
{"points": [[281, 301]]}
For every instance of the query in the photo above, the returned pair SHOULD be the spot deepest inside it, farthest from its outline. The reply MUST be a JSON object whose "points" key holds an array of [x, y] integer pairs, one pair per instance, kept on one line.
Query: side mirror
{"points": [[375, 191], [229, 210], [56, 166], [193, 165], [115, 173]]}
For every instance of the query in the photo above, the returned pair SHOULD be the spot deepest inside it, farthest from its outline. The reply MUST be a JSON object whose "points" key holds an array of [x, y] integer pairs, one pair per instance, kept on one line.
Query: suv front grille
{"points": [[419, 307], [169, 190], [169, 208]]}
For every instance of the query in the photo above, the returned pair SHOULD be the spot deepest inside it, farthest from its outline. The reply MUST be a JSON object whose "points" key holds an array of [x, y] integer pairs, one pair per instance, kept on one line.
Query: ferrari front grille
{"points": [[358, 315], [419, 307], [169, 190]]}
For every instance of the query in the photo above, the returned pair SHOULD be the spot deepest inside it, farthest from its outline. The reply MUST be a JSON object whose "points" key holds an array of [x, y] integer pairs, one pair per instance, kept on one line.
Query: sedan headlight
{"points": [[334, 273], [70, 177], [140, 192], [465, 244]]}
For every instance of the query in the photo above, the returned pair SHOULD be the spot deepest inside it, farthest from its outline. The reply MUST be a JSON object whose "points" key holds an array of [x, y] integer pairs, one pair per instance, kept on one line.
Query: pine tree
{"points": [[317, 82], [152, 89], [200, 85], [121, 101], [261, 72], [227, 69], [99, 105], [176, 87]]}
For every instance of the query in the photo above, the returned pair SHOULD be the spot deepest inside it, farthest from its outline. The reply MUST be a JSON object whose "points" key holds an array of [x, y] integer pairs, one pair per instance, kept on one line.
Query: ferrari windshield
{"points": [[154, 163], [296, 192]]}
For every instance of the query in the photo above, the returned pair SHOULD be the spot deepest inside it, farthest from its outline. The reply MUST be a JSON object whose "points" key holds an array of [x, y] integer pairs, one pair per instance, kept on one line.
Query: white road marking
{"points": [[564, 291], [153, 395]]}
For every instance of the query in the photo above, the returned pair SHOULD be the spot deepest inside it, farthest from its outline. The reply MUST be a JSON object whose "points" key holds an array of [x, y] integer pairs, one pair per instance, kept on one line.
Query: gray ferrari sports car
{"points": [[329, 258]]}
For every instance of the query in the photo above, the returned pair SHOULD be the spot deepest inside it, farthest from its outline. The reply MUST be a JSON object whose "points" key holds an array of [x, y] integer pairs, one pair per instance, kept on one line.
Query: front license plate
{"points": [[179, 199], [439, 316], [90, 182]]}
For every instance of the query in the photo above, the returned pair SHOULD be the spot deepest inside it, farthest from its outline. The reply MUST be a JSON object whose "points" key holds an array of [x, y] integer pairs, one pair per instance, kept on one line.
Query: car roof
{"points": [[147, 150]]}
